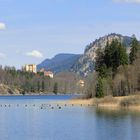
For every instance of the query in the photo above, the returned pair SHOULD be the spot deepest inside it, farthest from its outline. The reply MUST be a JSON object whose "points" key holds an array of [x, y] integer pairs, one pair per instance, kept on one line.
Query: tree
{"points": [[103, 71], [115, 55], [99, 89], [38, 86], [100, 65], [99, 59], [135, 47], [112, 57], [123, 57], [43, 86], [55, 88]]}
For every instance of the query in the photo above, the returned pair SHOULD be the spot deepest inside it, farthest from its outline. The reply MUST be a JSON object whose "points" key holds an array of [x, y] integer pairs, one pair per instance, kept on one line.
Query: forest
{"points": [[20, 82], [117, 72]]}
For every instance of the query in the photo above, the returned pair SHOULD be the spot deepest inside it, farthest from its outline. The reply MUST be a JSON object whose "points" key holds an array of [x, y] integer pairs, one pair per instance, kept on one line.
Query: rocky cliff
{"points": [[86, 62]]}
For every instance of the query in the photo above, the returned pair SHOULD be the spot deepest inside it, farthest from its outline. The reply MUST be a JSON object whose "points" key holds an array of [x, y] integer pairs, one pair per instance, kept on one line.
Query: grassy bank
{"points": [[109, 102]]}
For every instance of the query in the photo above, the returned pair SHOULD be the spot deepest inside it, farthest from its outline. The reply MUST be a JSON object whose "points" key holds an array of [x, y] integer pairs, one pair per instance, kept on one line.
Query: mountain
{"points": [[86, 62], [60, 62], [83, 64]]}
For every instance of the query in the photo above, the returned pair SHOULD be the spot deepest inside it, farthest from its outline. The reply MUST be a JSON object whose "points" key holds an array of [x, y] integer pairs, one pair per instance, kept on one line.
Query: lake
{"points": [[21, 118]]}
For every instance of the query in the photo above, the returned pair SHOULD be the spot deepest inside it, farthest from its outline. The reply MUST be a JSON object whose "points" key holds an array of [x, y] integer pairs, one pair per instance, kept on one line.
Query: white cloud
{"points": [[35, 53], [2, 26], [128, 1], [2, 56]]}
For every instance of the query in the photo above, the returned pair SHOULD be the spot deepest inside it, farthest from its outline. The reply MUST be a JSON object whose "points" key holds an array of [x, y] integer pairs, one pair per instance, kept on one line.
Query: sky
{"points": [[33, 30]]}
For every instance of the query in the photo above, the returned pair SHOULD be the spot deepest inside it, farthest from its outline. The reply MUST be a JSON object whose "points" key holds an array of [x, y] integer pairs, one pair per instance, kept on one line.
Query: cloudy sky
{"points": [[32, 30]]}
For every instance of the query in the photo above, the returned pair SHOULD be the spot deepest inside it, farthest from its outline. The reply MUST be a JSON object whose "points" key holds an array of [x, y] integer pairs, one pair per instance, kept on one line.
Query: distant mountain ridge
{"points": [[60, 62]]}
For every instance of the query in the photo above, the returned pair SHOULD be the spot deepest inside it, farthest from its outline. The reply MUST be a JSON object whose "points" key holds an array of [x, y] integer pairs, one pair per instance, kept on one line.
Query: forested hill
{"points": [[86, 63], [116, 73], [60, 62]]}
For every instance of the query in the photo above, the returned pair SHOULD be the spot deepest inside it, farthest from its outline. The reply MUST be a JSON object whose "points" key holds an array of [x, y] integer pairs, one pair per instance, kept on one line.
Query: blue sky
{"points": [[32, 30]]}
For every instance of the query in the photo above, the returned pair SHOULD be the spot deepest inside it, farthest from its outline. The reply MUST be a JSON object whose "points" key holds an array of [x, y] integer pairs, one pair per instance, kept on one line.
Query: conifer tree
{"points": [[135, 47], [99, 89], [55, 88], [43, 86], [38, 86], [115, 55]]}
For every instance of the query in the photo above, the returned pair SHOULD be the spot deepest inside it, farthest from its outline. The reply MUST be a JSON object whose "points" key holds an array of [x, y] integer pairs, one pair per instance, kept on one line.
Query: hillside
{"points": [[86, 62], [60, 62]]}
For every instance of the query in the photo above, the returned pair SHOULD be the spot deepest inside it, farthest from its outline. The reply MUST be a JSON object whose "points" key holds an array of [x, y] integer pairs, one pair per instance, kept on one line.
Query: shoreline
{"points": [[110, 103], [37, 94]]}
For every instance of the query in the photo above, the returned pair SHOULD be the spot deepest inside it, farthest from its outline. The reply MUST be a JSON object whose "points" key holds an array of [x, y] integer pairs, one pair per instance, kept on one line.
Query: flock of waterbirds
{"points": [[41, 106]]}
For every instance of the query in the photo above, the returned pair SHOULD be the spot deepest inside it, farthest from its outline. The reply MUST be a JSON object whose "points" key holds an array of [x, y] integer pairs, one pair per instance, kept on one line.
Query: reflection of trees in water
{"points": [[117, 124]]}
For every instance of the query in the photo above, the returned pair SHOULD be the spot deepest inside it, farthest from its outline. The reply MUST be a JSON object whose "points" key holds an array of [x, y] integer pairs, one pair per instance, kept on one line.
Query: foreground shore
{"points": [[127, 102]]}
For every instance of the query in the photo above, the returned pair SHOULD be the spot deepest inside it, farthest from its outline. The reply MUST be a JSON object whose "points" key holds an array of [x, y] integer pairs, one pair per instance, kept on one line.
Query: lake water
{"points": [[21, 118]]}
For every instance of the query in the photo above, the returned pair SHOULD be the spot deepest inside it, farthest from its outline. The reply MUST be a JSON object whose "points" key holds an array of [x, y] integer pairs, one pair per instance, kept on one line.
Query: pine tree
{"points": [[43, 86], [112, 57], [99, 89], [38, 86], [55, 88], [123, 57], [135, 47], [100, 65], [115, 55], [99, 59]]}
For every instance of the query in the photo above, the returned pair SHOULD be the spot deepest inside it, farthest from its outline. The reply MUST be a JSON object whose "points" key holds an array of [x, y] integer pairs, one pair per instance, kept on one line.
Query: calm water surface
{"points": [[21, 118]]}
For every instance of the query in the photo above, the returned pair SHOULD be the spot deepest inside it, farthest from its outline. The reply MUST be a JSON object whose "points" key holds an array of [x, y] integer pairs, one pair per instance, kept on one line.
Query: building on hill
{"points": [[49, 74], [30, 68]]}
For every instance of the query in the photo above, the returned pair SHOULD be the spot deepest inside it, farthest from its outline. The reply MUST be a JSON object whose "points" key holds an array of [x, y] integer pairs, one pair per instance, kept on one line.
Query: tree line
{"points": [[116, 73], [27, 82]]}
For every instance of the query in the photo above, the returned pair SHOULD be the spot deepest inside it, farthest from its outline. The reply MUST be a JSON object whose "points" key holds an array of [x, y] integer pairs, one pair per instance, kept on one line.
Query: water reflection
{"points": [[68, 123], [118, 124]]}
